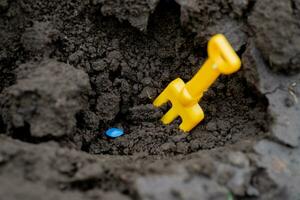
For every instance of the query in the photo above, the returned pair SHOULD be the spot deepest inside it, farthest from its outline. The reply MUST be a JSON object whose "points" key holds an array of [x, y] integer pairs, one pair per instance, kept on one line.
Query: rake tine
{"points": [[169, 116], [160, 100]]}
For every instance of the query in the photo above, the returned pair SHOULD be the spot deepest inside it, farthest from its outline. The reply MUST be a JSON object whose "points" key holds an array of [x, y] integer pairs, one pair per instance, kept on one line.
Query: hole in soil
{"points": [[128, 69], [145, 64]]}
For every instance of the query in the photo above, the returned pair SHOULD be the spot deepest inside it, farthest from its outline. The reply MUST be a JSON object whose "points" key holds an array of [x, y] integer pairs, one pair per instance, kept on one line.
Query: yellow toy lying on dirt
{"points": [[222, 59]]}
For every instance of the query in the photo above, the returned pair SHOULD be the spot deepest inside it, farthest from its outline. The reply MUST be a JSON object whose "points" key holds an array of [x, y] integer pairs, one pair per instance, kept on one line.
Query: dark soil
{"points": [[69, 70]]}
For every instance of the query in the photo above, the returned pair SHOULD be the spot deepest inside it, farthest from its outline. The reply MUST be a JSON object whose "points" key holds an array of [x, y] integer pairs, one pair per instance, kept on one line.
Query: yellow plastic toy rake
{"points": [[222, 59]]}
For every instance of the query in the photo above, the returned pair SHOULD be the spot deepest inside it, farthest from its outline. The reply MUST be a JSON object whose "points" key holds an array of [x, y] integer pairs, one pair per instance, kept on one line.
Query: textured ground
{"points": [[71, 69]]}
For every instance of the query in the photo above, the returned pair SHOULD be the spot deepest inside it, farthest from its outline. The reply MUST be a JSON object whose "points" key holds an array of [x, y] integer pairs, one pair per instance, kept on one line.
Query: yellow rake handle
{"points": [[222, 59]]}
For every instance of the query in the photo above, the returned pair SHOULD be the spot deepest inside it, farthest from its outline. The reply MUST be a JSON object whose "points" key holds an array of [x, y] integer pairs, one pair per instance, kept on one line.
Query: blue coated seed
{"points": [[114, 132]]}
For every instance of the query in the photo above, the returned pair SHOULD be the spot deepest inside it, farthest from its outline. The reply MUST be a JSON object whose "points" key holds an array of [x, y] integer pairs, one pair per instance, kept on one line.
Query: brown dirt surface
{"points": [[69, 70]]}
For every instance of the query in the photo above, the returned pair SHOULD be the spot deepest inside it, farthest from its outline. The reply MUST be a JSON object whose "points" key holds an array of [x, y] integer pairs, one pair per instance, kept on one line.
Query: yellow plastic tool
{"points": [[222, 59]]}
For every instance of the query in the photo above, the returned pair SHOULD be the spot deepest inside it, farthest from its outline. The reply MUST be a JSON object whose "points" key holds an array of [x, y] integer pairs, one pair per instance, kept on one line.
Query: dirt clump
{"points": [[137, 13], [44, 100], [280, 48]]}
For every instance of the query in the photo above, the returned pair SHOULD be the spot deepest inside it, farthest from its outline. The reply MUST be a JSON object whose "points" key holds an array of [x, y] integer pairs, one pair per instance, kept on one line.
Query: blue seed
{"points": [[114, 132]]}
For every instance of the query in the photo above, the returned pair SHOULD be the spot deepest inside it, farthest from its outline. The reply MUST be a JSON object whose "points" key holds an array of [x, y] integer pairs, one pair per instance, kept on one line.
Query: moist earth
{"points": [[72, 69]]}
